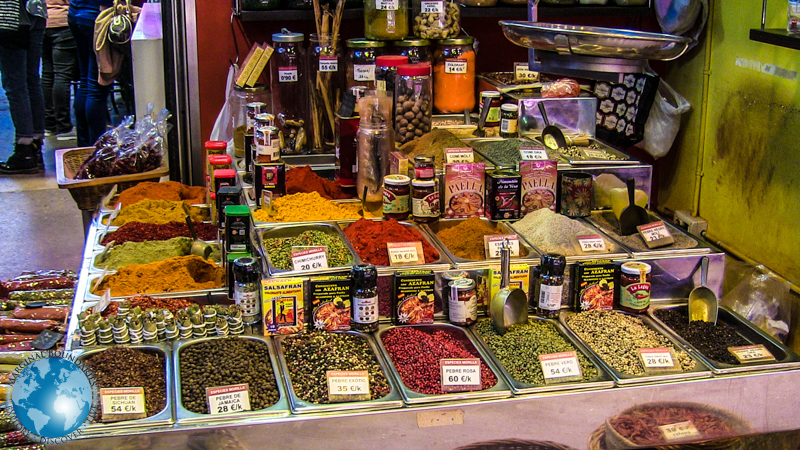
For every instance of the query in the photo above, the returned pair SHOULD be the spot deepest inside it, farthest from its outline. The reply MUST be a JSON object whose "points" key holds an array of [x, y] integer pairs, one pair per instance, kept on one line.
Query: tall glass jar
{"points": [[436, 19], [417, 50], [412, 102], [375, 139], [386, 20], [289, 95], [386, 71], [360, 61], [241, 97], [454, 75], [326, 74]]}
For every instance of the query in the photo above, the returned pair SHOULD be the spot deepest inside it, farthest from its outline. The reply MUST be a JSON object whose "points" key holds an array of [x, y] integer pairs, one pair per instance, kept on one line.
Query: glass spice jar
{"points": [[386, 20], [396, 193], [290, 98], [326, 85], [386, 71], [635, 281], [360, 61], [412, 102], [462, 305], [424, 167], [417, 50], [425, 201], [242, 96], [265, 140], [454, 75], [436, 19], [493, 117], [550, 285], [509, 117], [247, 288]]}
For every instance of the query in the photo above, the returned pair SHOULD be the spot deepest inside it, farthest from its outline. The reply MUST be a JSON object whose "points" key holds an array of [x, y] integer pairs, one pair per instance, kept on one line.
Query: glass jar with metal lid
{"points": [[396, 194], [247, 288], [386, 20], [493, 97], [436, 19], [454, 75], [462, 305], [290, 94], [326, 74], [424, 167], [360, 61], [241, 97], [634, 281], [417, 50], [425, 201], [508, 121], [265, 140]]}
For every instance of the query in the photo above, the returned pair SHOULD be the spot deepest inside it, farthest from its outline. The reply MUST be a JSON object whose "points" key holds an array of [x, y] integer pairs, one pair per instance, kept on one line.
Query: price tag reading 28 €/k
{"points": [[125, 403], [560, 367], [659, 360], [228, 399], [460, 374], [405, 253], [348, 386]]}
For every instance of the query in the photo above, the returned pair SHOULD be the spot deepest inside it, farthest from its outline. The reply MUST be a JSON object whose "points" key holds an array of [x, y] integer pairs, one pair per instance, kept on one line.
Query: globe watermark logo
{"points": [[53, 395]]}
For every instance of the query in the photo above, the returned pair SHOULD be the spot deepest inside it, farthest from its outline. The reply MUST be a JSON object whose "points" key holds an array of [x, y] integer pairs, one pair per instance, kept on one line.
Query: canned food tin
{"points": [[502, 194], [463, 302]]}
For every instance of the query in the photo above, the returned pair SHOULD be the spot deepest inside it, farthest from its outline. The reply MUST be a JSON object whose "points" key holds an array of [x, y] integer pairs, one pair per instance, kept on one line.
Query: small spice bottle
{"points": [[424, 168], [365, 298], [493, 118], [425, 201], [463, 302], [550, 284], [508, 120], [396, 193], [247, 288], [635, 282], [267, 146]]}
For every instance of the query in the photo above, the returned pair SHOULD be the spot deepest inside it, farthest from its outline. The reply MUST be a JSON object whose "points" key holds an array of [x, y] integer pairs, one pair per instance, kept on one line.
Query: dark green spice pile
{"points": [[223, 362], [519, 349], [309, 356], [120, 366], [711, 340], [506, 152], [280, 249]]}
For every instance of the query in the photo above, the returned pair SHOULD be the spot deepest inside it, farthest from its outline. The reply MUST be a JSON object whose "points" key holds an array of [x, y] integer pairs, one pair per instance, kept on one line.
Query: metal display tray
{"points": [[613, 249], [390, 400], [91, 297], [602, 381], [284, 231], [162, 419], [184, 416], [480, 144], [624, 159], [622, 379], [638, 252], [100, 220], [526, 251], [411, 397], [93, 268], [785, 358], [260, 224]]}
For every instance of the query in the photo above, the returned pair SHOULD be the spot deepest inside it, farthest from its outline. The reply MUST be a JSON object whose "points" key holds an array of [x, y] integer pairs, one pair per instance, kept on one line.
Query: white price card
{"points": [[287, 74], [348, 386], [125, 403], [492, 244], [228, 399], [387, 5], [591, 153], [752, 353], [456, 66], [328, 64], [460, 374], [591, 243], [655, 234], [364, 72], [560, 367], [679, 431], [523, 73], [533, 154], [434, 7], [657, 360], [459, 155], [405, 253], [309, 258]]}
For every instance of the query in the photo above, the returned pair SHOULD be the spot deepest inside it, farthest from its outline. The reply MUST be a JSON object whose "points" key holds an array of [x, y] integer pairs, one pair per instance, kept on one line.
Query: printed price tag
{"points": [[328, 64], [405, 253], [533, 154], [348, 386], [122, 403], [364, 72], [679, 431], [436, 7], [590, 153], [523, 73], [655, 234], [309, 258], [387, 5], [228, 399], [459, 155], [560, 367], [657, 360], [752, 353], [492, 244], [287, 74], [266, 200], [460, 375], [592, 243], [457, 66]]}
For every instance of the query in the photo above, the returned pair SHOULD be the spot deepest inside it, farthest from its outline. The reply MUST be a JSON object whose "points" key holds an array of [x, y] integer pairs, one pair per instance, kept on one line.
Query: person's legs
{"points": [[83, 45], [48, 77], [13, 67], [91, 107], [96, 102], [35, 96], [64, 64]]}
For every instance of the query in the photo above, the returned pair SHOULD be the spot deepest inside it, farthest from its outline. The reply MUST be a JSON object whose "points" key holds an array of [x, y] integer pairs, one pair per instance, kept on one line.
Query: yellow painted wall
{"points": [[750, 188]]}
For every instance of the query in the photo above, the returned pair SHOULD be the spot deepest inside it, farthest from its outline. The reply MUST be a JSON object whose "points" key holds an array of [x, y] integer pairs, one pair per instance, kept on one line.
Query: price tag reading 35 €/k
{"points": [[228, 399], [125, 403], [460, 374], [405, 253], [348, 386], [560, 367]]}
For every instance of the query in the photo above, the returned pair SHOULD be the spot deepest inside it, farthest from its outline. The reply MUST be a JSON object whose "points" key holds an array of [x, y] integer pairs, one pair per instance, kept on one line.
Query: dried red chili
{"points": [[641, 425], [140, 232], [369, 239]]}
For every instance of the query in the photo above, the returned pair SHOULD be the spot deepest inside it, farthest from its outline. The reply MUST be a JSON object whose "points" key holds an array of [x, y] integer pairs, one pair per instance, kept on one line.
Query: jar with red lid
{"points": [[386, 71], [396, 193], [412, 102], [635, 281]]}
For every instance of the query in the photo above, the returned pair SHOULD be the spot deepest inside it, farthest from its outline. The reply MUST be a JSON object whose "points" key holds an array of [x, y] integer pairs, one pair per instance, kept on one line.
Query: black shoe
{"points": [[23, 160], [39, 145]]}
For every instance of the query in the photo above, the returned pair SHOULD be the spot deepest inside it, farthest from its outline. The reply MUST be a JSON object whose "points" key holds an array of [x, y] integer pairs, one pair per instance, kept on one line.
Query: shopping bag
{"points": [[223, 126], [664, 121]]}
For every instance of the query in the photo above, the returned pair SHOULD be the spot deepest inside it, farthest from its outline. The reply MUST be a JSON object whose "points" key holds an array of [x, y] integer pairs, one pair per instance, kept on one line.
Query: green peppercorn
{"points": [[280, 249]]}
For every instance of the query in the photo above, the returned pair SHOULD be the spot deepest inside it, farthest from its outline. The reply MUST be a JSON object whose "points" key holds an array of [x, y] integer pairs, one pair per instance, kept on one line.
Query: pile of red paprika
{"points": [[369, 239]]}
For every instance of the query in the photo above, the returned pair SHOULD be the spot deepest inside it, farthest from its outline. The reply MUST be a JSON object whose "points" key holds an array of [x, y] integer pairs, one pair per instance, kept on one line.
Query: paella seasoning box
{"points": [[283, 303], [413, 297], [593, 285], [538, 185], [463, 189], [489, 284], [329, 302]]}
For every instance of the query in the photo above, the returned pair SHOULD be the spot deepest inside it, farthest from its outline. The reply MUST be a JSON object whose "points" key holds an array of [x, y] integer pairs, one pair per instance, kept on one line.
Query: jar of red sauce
{"points": [[396, 193], [635, 280]]}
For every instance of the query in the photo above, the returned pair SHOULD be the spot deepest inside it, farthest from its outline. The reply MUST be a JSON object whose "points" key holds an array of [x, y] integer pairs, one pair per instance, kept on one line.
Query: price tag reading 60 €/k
{"points": [[460, 374]]}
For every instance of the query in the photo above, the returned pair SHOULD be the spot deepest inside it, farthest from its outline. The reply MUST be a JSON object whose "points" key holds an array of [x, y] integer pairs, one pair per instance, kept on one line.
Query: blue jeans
{"points": [[59, 68], [90, 105], [20, 71]]}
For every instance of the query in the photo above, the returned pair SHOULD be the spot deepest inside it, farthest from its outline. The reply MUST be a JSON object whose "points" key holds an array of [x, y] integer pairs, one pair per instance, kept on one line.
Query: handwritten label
{"points": [[459, 155], [287, 74], [679, 431], [348, 386], [328, 64], [752, 353], [364, 72], [656, 360], [533, 154], [457, 66], [405, 253], [655, 234], [592, 243], [228, 399], [492, 244], [523, 73], [560, 367], [387, 5], [309, 258], [590, 153], [460, 375], [122, 403], [436, 7]]}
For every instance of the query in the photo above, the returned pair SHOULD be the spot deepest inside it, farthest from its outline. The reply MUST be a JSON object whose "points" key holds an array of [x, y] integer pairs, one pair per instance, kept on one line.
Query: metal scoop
{"points": [[510, 305], [552, 136], [199, 248], [703, 304]]}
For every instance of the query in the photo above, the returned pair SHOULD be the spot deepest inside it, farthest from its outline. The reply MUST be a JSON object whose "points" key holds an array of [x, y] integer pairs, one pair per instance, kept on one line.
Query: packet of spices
{"points": [[330, 302], [594, 285], [489, 284], [464, 188], [413, 297], [283, 304], [271, 177], [538, 185], [398, 164]]}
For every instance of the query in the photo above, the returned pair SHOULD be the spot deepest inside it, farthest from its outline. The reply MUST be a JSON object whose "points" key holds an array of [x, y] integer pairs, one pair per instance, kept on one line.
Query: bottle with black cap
{"points": [[550, 285], [247, 288], [365, 298]]}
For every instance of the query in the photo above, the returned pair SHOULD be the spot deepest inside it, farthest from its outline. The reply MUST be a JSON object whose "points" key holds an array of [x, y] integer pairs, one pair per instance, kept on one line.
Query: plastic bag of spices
{"points": [[760, 296]]}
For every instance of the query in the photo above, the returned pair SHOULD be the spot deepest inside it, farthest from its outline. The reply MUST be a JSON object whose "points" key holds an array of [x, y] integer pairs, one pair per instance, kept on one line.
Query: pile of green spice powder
{"points": [[280, 249], [309, 356], [519, 349]]}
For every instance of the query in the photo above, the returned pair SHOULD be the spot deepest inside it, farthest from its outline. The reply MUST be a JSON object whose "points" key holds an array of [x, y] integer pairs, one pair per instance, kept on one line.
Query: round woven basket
{"points": [[516, 444]]}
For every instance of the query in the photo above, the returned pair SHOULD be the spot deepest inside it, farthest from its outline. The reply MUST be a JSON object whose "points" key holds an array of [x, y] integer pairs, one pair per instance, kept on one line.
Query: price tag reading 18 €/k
{"points": [[460, 374], [405, 253], [560, 367], [309, 258], [533, 154], [659, 360], [122, 403], [228, 399], [348, 386]]}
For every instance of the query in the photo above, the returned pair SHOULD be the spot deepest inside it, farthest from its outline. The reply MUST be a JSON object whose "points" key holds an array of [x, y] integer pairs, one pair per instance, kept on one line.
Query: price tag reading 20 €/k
{"points": [[309, 258], [228, 399], [348, 386], [460, 374], [405, 253]]}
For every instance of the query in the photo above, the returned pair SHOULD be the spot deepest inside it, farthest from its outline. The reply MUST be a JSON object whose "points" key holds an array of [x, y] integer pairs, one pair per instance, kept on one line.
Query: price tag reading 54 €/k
{"points": [[560, 367], [122, 403], [460, 374]]}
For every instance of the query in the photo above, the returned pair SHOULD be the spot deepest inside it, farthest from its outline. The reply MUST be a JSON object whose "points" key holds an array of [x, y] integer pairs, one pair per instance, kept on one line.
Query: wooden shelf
{"points": [[776, 36]]}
